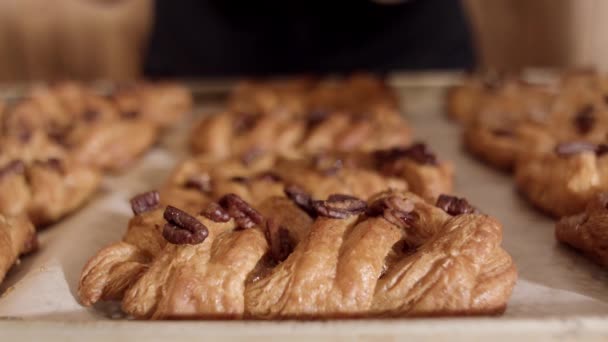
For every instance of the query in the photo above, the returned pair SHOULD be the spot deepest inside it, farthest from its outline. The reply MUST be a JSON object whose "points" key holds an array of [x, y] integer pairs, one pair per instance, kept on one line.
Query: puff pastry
{"points": [[393, 255], [587, 231], [358, 113]]}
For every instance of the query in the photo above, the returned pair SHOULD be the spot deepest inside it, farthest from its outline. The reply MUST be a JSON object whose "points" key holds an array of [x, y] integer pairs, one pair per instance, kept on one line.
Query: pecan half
{"points": [[182, 228], [201, 182], [395, 210], [145, 202], [244, 215], [454, 205], [417, 152], [301, 198], [280, 242], [13, 167], [339, 206], [216, 213], [585, 119], [567, 149]]}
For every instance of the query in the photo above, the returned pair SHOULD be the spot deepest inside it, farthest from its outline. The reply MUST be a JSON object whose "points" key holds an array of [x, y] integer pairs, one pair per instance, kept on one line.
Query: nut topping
{"points": [[216, 213], [244, 215], [301, 198], [567, 149], [13, 167], [339, 206], [395, 210], [418, 152], [182, 228], [200, 182], [145, 202], [454, 205]]}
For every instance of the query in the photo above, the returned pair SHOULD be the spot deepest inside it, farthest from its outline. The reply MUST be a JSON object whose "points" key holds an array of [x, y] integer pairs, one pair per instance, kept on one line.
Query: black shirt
{"points": [[236, 38]]}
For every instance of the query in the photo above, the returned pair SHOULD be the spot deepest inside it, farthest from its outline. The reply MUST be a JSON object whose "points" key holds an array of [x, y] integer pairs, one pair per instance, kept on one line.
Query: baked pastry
{"points": [[394, 255], [40, 179], [17, 237], [587, 231], [107, 132], [360, 174], [163, 104], [356, 114], [494, 134], [563, 180], [511, 112]]}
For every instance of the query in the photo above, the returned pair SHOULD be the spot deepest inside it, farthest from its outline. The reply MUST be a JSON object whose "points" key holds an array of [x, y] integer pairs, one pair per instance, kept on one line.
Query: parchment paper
{"points": [[553, 279]]}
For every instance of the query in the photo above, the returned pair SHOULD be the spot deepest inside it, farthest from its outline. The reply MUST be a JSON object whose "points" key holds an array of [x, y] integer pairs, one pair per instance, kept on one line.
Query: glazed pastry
{"points": [[563, 180], [163, 104], [107, 132], [17, 237], [505, 111], [303, 258], [587, 231], [359, 113], [360, 174]]}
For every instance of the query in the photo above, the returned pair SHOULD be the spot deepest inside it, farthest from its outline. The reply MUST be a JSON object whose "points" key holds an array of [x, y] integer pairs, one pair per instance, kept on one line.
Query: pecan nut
{"points": [[339, 206], [244, 215], [454, 205], [182, 228], [395, 210], [301, 198], [216, 213], [145, 202]]}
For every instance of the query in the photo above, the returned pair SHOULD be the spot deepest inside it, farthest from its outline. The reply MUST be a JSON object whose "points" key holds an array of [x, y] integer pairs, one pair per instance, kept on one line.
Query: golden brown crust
{"points": [[587, 231], [358, 113], [364, 265], [196, 181], [108, 132], [562, 185], [40, 180], [17, 236]]}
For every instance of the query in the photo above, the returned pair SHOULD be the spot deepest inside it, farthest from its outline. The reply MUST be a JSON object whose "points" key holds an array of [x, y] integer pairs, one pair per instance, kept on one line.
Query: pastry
{"points": [[41, 181], [17, 237], [107, 132], [494, 133], [563, 180], [587, 231], [355, 114], [361, 174], [394, 255]]}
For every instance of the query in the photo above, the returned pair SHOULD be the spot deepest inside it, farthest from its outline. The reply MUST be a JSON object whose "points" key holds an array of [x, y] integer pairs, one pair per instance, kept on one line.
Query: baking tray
{"points": [[559, 294]]}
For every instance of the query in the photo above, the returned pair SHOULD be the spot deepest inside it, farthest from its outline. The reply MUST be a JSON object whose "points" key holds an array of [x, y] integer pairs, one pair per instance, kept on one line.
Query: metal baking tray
{"points": [[559, 294]]}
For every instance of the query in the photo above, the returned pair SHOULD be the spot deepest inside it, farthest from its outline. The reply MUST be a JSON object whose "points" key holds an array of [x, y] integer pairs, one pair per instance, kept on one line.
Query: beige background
{"points": [[50, 39]]}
